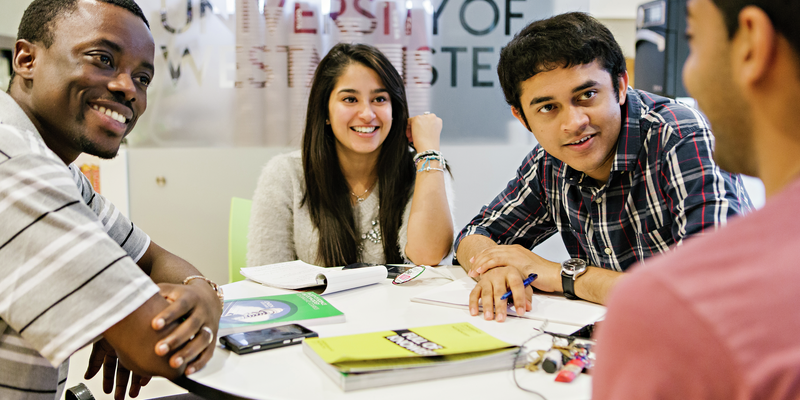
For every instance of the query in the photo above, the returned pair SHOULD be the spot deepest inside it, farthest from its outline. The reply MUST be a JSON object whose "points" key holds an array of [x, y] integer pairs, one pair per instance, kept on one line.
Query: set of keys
{"points": [[568, 357]]}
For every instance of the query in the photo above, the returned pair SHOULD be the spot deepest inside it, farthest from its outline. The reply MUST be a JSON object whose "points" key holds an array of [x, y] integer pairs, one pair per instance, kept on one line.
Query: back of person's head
{"points": [[327, 193], [562, 41], [784, 15], [40, 17]]}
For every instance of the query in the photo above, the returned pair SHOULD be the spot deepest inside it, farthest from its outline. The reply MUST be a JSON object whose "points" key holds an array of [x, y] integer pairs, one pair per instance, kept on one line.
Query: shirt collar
{"points": [[12, 114], [630, 138]]}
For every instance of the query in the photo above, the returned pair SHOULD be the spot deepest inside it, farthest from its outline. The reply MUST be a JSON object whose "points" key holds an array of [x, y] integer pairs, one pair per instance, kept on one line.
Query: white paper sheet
{"points": [[545, 307]]}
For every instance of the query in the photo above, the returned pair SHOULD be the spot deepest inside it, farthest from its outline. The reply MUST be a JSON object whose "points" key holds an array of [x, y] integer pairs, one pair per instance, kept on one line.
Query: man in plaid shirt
{"points": [[622, 174]]}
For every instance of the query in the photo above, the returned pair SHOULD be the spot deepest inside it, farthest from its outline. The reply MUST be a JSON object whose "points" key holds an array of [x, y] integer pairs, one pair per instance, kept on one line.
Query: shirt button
{"points": [[608, 250], [599, 200]]}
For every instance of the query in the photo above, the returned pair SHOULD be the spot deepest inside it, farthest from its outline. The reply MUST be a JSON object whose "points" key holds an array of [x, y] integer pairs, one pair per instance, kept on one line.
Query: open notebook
{"points": [[553, 308], [301, 275]]}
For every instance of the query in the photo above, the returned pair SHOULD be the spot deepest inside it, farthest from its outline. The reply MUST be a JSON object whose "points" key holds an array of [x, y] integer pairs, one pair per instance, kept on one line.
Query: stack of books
{"points": [[408, 355]]}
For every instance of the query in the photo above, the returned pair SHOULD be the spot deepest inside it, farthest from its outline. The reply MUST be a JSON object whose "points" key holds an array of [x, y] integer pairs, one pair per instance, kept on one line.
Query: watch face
{"points": [[573, 266]]}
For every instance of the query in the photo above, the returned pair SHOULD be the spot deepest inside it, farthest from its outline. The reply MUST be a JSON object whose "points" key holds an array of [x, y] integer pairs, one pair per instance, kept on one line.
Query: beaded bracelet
{"points": [[426, 164], [427, 153]]}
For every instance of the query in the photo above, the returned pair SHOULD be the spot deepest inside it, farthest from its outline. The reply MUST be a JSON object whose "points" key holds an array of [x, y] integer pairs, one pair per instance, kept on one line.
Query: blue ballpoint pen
{"points": [[526, 282]]}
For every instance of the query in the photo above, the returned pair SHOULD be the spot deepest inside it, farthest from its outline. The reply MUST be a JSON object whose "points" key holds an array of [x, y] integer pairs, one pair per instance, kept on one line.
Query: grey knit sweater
{"points": [[281, 230]]}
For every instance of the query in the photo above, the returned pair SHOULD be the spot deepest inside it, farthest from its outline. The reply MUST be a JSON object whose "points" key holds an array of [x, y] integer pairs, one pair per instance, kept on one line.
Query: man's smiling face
{"points": [[575, 115], [90, 86]]}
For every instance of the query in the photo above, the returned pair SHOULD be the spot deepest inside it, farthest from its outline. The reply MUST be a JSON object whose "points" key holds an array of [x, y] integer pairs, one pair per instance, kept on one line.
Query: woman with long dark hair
{"points": [[357, 191]]}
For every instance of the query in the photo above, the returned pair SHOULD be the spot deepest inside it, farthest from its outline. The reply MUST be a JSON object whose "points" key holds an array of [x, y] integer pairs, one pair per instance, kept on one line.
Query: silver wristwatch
{"points": [[570, 271]]}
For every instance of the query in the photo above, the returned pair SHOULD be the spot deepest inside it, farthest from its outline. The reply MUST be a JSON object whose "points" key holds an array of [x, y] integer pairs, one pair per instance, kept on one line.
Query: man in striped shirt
{"points": [[621, 174], [69, 270]]}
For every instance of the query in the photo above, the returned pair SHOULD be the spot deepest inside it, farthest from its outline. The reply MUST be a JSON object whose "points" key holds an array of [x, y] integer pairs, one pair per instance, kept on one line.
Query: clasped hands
{"points": [[191, 342], [502, 268]]}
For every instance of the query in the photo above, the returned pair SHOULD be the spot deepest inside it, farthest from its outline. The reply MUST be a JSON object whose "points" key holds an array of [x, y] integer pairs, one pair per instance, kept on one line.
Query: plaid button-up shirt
{"points": [[664, 187]]}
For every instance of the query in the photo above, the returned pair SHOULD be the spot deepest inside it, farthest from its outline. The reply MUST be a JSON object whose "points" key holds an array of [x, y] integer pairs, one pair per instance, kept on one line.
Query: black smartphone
{"points": [[265, 339]]}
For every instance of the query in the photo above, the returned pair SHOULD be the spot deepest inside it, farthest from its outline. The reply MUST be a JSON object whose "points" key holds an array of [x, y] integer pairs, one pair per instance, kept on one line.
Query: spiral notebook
{"points": [[300, 275]]}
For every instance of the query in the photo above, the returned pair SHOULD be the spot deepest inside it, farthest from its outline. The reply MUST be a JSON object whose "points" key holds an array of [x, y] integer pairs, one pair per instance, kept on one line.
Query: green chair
{"points": [[237, 237]]}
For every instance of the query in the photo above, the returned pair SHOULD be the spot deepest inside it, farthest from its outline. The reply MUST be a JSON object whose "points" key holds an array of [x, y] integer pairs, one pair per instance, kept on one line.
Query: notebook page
{"points": [[286, 275], [545, 307]]}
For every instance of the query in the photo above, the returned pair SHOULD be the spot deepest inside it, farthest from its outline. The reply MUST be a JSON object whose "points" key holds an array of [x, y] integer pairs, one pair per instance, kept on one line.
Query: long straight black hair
{"points": [[327, 192]]}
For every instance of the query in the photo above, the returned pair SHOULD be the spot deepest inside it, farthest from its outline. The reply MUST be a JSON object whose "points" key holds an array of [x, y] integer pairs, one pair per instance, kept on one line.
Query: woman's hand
{"points": [[423, 132]]}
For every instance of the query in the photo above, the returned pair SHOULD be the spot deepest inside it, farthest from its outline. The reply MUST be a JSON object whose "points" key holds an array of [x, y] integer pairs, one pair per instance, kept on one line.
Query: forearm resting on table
{"points": [[470, 246], [134, 339], [430, 226], [594, 285], [165, 267]]}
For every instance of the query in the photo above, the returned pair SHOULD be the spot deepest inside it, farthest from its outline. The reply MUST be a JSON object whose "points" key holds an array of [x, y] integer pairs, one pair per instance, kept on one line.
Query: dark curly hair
{"points": [[565, 40]]}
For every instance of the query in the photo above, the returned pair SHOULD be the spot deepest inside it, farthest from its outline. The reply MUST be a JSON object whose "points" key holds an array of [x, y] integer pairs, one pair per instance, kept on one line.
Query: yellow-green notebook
{"points": [[408, 355]]}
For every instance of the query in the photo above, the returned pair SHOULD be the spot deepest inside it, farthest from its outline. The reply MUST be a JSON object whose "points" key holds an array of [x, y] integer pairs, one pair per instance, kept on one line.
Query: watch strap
{"points": [[568, 286]]}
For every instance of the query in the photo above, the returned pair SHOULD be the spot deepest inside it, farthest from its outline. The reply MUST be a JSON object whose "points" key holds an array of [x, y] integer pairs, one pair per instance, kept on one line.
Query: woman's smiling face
{"points": [[360, 111]]}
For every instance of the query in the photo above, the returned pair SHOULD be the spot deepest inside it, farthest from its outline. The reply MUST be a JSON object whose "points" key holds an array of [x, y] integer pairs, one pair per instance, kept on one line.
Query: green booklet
{"points": [[407, 355], [249, 314]]}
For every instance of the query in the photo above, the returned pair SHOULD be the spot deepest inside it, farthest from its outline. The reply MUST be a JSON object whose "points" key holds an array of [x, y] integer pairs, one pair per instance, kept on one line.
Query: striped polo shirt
{"points": [[67, 262]]}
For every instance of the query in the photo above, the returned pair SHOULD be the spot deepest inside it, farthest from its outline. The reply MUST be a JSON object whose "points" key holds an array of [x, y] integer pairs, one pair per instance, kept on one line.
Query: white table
{"points": [[287, 373]]}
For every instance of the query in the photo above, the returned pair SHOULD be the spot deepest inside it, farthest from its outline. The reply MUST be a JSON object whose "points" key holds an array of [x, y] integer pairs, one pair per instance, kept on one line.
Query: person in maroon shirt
{"points": [[717, 319]]}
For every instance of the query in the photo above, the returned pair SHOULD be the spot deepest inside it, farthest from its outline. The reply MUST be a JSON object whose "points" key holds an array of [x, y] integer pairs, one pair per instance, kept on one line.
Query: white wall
{"points": [[10, 14], [614, 9], [181, 198]]}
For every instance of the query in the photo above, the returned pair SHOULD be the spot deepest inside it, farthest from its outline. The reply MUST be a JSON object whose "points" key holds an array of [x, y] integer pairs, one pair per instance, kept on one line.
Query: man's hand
{"points": [[195, 336], [103, 354], [594, 285], [502, 268], [524, 260], [196, 302], [492, 286]]}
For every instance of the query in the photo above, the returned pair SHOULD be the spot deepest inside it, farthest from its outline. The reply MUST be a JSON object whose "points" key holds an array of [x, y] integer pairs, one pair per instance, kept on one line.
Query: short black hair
{"points": [[782, 13], [38, 20], [40, 16], [565, 40]]}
